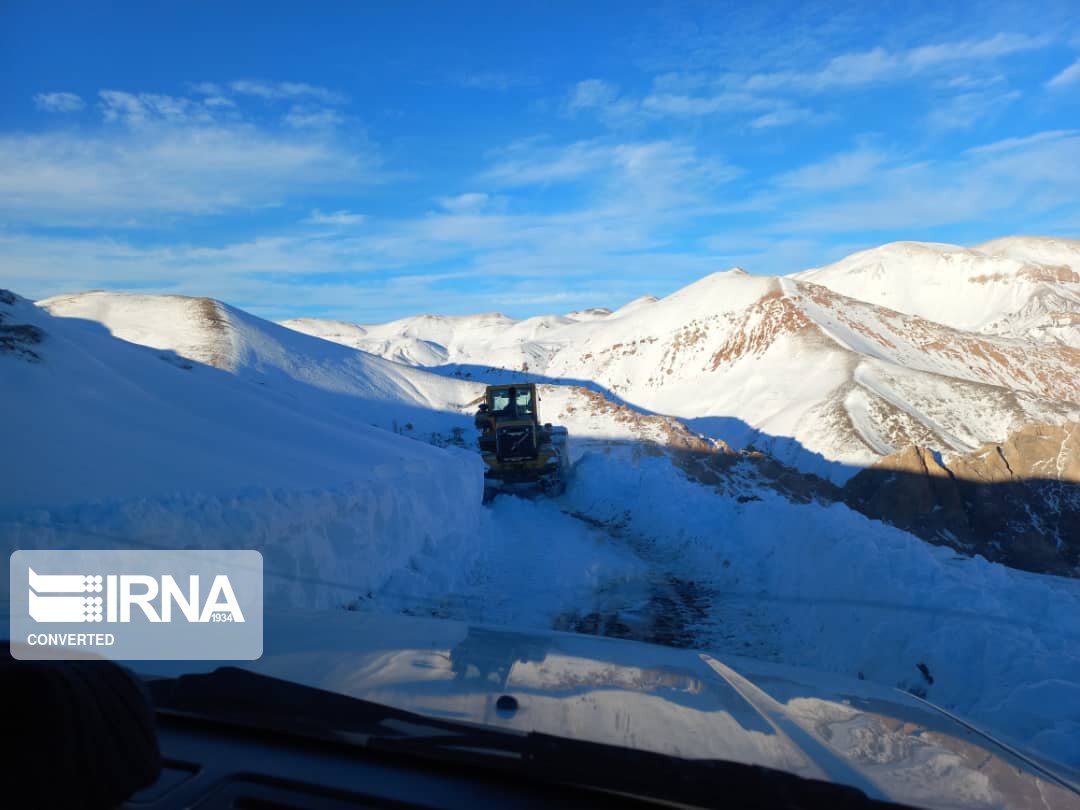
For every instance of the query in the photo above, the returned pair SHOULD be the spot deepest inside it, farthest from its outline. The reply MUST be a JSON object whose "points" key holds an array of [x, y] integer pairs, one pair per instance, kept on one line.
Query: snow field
{"points": [[828, 589]]}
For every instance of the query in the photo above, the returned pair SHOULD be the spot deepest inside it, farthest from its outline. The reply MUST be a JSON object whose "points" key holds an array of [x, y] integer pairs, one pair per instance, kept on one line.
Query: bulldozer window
{"points": [[524, 403], [512, 402]]}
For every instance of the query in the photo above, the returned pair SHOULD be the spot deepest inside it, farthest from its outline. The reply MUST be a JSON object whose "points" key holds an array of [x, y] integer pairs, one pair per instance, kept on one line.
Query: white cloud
{"points": [[317, 217], [135, 109], [688, 97], [784, 116], [1070, 75], [760, 96], [602, 98], [139, 174], [879, 65], [966, 81], [285, 90], [206, 88], [682, 83], [837, 171], [668, 166], [492, 80], [671, 95], [688, 105], [967, 109], [117, 105], [460, 203], [1018, 180], [526, 166], [175, 156], [658, 169], [1002, 44], [59, 102], [302, 116], [1018, 144], [591, 93], [854, 69]]}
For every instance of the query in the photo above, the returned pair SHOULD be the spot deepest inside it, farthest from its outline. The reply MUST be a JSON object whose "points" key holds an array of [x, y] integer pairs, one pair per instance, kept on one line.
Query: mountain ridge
{"points": [[842, 378]]}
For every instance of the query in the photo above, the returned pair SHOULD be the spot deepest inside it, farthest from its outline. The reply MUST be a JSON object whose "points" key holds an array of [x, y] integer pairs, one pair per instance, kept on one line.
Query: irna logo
{"points": [[112, 598], [137, 605]]}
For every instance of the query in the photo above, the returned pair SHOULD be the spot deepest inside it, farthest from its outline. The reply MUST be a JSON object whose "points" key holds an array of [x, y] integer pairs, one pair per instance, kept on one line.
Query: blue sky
{"points": [[368, 161]]}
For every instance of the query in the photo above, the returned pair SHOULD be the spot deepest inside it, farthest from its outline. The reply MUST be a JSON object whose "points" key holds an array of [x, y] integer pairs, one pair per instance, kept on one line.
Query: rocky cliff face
{"points": [[1017, 502]]}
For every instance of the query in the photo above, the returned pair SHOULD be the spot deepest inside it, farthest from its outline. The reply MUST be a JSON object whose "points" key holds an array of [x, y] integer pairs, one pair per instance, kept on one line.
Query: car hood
{"points": [[887, 743]]}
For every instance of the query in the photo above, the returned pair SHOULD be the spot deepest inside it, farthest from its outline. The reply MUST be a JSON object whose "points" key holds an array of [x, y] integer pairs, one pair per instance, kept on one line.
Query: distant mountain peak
{"points": [[995, 288]]}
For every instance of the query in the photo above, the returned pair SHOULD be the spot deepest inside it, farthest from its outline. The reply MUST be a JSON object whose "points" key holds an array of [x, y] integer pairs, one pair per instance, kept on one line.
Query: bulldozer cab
{"points": [[512, 402], [509, 423]]}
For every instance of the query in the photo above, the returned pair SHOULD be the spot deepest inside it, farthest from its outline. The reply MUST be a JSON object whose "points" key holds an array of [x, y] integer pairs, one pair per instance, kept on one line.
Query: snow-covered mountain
{"points": [[1018, 287], [829, 370], [432, 340]]}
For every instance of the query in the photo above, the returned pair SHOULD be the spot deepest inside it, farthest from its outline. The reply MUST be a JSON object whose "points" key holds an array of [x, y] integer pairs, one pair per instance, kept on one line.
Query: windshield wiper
{"points": [[238, 697]]}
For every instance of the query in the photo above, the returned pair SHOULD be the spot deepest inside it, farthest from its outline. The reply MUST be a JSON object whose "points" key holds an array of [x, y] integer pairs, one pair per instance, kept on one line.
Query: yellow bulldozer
{"points": [[521, 455]]}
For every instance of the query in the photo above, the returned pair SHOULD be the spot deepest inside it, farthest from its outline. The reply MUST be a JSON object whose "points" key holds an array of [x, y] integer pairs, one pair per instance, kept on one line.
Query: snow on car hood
{"points": [[885, 742]]}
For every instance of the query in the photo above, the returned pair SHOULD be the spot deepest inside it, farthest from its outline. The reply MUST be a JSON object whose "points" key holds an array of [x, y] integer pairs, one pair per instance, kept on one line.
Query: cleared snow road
{"points": [[543, 563]]}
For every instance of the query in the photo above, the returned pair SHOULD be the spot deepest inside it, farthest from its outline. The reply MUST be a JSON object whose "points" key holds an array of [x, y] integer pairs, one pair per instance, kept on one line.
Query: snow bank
{"points": [[826, 588], [321, 548], [108, 444]]}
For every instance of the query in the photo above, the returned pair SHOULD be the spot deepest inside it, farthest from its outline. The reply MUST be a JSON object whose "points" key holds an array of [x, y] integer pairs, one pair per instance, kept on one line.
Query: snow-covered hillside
{"points": [[354, 385], [109, 442], [828, 370]]}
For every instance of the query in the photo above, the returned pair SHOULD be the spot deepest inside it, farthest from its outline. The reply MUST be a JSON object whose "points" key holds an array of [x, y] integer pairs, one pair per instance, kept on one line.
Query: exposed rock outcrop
{"points": [[16, 339], [1017, 502]]}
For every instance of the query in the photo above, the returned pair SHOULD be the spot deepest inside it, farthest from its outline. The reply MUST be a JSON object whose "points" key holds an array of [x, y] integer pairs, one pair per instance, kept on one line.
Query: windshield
{"points": [[514, 403], [523, 403], [747, 331], [500, 402]]}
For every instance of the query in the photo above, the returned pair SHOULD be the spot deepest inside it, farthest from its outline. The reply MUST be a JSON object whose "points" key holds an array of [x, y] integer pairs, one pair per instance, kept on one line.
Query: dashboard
{"points": [[209, 765]]}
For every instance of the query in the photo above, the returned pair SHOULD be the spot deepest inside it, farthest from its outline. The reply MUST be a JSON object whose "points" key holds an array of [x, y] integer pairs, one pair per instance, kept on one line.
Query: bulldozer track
{"points": [[669, 608]]}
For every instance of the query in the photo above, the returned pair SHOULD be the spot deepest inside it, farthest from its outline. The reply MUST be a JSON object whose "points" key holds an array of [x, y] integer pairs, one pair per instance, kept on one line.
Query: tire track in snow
{"points": [[672, 605], [528, 565]]}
